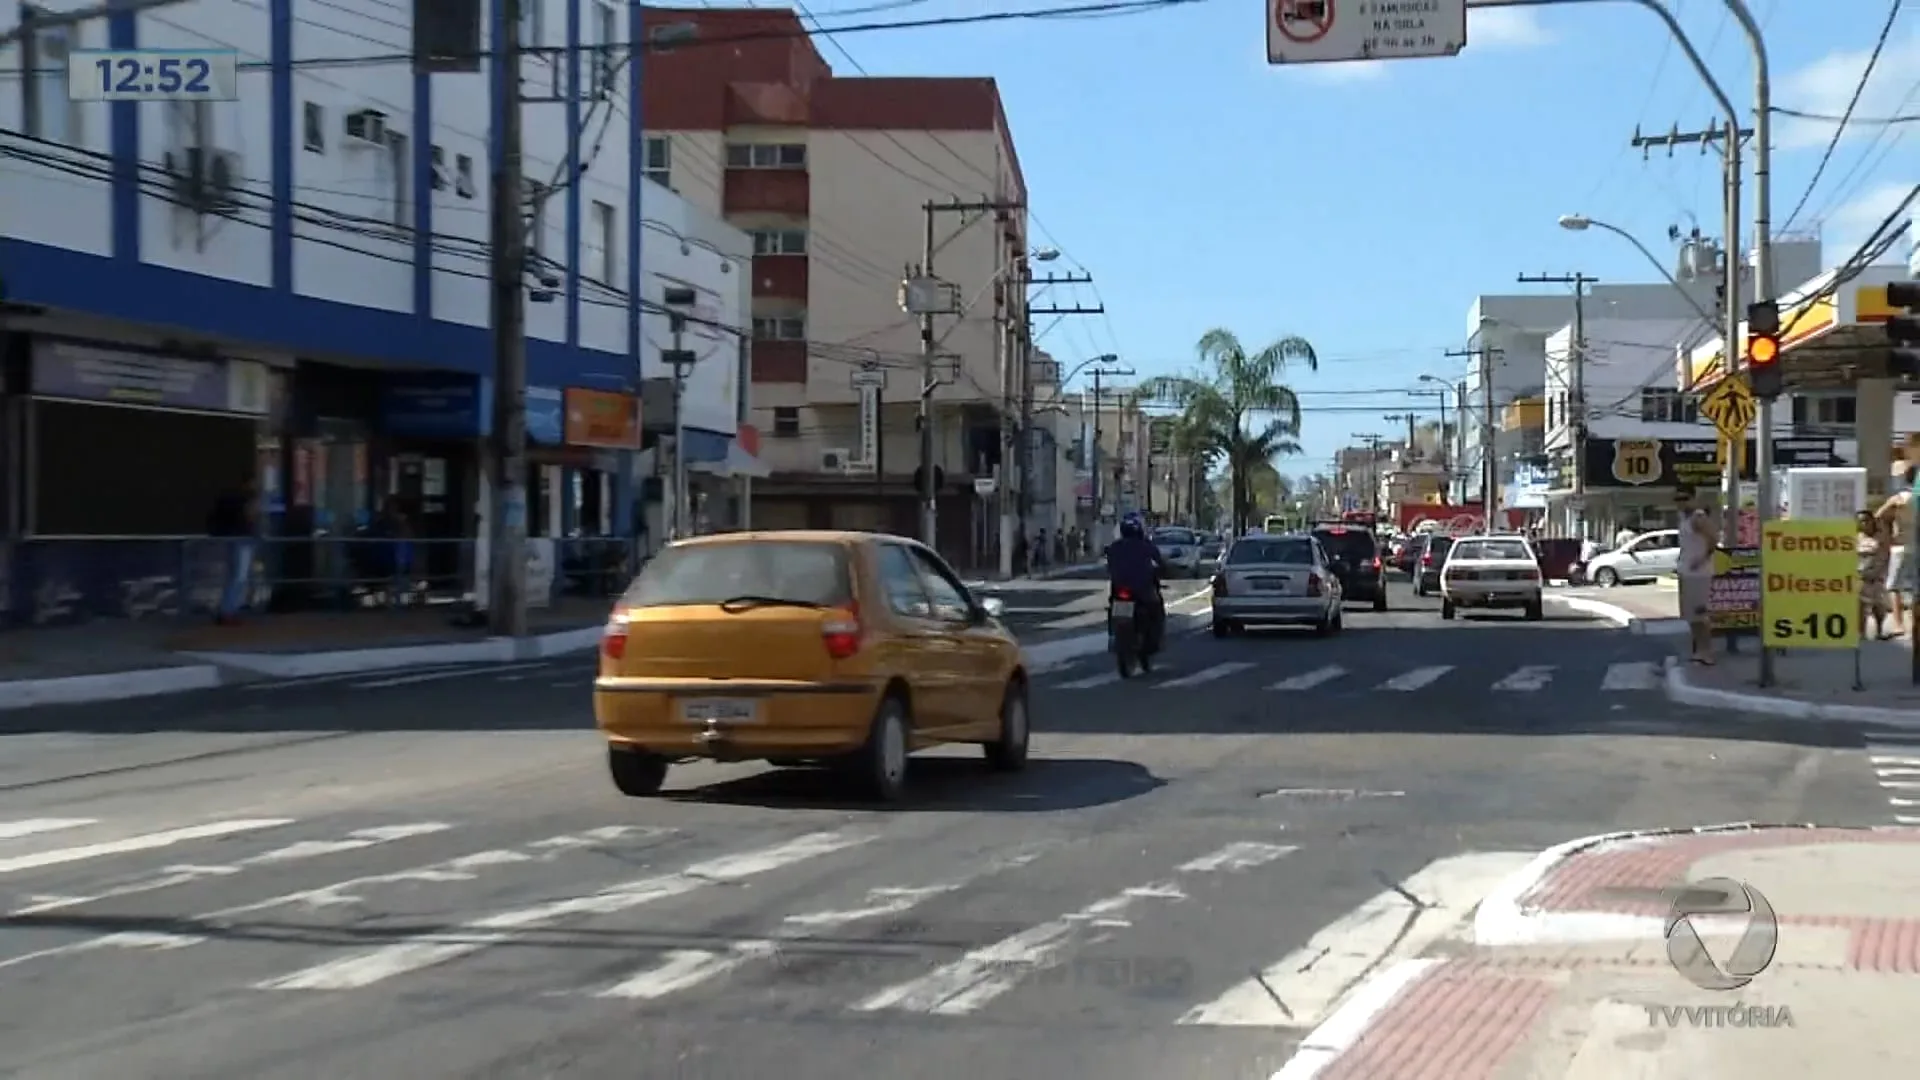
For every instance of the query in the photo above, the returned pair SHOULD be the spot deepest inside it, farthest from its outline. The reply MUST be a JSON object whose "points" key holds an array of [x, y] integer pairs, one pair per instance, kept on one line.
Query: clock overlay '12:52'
{"points": [[153, 75]]}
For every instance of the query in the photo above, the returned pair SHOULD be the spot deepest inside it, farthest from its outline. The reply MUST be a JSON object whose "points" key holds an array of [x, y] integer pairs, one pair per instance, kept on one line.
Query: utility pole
{"points": [[1373, 470], [925, 295], [1577, 386], [507, 557], [1715, 136], [1489, 463], [1100, 372], [1410, 417], [679, 300], [1018, 507]]}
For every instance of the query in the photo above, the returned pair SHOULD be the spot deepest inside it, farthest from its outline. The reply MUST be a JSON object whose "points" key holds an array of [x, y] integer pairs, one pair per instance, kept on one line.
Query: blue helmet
{"points": [[1132, 524]]}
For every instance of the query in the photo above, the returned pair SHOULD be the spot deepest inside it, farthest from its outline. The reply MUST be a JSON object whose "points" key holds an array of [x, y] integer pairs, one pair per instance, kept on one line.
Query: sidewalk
{"points": [[1642, 609], [1568, 971], [1808, 684]]}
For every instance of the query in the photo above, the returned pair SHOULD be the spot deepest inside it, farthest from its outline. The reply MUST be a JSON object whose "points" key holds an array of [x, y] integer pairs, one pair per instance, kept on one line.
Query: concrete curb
{"points": [[1682, 691], [1500, 919], [111, 686], [1621, 617]]}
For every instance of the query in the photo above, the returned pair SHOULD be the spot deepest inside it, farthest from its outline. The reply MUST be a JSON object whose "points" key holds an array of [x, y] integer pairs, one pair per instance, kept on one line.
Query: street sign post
{"points": [[1732, 408], [1326, 31]]}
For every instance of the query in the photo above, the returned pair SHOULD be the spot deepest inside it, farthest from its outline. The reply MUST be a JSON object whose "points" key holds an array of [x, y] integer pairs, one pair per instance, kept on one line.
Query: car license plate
{"points": [[720, 711], [1123, 609], [1270, 583]]}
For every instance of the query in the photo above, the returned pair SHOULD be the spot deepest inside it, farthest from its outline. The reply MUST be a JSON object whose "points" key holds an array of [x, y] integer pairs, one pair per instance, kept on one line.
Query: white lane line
{"points": [[149, 842], [1419, 677], [1310, 679], [435, 676], [1312, 979], [1526, 679], [1326, 1043], [684, 969], [428, 950], [983, 974], [1206, 675], [358, 840], [342, 677], [1641, 675], [14, 830]]}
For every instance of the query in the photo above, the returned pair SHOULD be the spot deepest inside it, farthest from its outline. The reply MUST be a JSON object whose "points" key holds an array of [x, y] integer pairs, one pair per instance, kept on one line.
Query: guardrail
{"points": [[53, 581]]}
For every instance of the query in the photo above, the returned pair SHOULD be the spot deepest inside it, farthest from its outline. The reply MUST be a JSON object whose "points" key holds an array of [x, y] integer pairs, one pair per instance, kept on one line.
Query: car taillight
{"points": [[1219, 584], [613, 640], [1373, 563], [841, 633], [1313, 585], [1427, 559]]}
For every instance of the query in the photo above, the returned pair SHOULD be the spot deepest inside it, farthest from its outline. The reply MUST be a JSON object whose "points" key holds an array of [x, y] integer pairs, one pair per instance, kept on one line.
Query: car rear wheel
{"points": [[636, 773], [1535, 610], [1008, 753], [1446, 609], [1380, 598], [880, 767], [1221, 628]]}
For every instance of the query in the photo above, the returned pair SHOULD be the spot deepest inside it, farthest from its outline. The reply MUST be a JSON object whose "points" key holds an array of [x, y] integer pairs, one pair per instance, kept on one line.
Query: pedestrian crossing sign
{"points": [[1732, 408]]}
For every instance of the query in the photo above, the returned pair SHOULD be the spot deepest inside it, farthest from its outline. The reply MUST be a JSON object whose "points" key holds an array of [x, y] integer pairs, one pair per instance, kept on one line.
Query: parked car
{"points": [[801, 647], [1491, 572], [1180, 547], [1428, 559], [1644, 558], [1283, 580], [1356, 559]]}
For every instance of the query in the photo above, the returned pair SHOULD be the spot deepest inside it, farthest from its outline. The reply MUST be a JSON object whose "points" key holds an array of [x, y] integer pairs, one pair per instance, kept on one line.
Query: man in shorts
{"points": [[1696, 571]]}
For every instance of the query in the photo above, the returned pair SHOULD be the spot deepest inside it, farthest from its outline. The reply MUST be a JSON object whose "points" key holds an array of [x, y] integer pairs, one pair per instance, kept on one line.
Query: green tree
{"points": [[1237, 404]]}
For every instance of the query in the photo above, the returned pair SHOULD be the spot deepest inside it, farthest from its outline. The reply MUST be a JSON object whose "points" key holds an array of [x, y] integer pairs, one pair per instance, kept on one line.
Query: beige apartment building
{"points": [[831, 176]]}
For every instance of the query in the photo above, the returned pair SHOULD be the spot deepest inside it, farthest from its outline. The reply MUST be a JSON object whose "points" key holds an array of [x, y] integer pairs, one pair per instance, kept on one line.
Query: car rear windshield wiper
{"points": [[736, 604]]}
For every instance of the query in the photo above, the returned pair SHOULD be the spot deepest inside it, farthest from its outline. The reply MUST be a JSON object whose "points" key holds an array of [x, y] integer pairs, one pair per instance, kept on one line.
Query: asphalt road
{"points": [[418, 877]]}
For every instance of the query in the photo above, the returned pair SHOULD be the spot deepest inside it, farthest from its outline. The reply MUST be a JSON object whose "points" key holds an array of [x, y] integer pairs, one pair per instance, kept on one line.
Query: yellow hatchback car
{"points": [[797, 647]]}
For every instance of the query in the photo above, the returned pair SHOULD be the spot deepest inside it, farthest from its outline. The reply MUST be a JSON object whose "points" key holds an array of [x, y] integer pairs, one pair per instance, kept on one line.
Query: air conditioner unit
{"points": [[367, 128], [837, 460]]}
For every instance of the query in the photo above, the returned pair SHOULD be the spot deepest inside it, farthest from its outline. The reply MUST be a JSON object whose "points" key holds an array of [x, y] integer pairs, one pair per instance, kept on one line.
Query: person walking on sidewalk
{"points": [[1874, 551], [232, 524], [1896, 517], [1696, 572]]}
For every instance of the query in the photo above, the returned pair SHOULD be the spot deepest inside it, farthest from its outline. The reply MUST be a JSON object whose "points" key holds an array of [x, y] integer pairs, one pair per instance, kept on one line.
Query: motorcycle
{"points": [[1129, 636]]}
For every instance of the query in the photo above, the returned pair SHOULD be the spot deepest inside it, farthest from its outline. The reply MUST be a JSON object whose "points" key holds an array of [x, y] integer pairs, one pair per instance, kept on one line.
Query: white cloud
{"points": [[1844, 230], [1826, 85], [1505, 28]]}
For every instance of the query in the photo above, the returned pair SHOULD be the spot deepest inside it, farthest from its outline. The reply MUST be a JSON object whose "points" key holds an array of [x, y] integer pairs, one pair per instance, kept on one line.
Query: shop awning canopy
{"points": [[738, 462], [1828, 333]]}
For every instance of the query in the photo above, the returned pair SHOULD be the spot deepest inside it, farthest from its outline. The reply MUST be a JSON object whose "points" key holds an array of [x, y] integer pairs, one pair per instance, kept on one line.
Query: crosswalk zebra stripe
{"points": [[1640, 675], [1408, 681], [1526, 679], [1310, 679], [1207, 674]]}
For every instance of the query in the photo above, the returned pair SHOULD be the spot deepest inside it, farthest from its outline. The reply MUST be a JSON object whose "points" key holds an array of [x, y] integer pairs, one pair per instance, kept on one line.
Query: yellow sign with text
{"points": [[1809, 585]]}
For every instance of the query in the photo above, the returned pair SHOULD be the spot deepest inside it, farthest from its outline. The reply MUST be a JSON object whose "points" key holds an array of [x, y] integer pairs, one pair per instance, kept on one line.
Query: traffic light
{"points": [[1763, 349], [1903, 331]]}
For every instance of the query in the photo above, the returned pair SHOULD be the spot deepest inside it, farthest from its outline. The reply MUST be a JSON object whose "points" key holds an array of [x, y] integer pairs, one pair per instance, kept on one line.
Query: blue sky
{"points": [[1363, 206]]}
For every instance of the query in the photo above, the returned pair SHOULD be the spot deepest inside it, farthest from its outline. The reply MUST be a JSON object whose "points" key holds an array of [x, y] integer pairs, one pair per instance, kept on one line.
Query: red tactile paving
{"points": [[1459, 1021], [1582, 881], [1885, 945]]}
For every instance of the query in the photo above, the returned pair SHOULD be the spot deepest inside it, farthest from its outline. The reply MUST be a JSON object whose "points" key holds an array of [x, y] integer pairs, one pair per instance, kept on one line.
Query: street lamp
{"points": [[1045, 254], [1581, 223]]}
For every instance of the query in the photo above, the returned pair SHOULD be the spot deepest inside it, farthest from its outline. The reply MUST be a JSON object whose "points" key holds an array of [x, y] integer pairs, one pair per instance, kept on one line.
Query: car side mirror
{"points": [[991, 607]]}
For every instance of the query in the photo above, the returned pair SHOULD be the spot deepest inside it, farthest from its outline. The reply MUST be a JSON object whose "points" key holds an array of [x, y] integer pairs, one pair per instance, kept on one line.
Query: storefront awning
{"points": [[1815, 311]]}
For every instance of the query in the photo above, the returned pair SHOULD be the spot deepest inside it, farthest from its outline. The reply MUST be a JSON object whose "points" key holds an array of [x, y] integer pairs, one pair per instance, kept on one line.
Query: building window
{"points": [[49, 113], [658, 166], [606, 34], [439, 169], [785, 328], [601, 246], [1828, 411], [766, 155], [313, 126], [786, 423], [463, 176], [779, 241], [1664, 406]]}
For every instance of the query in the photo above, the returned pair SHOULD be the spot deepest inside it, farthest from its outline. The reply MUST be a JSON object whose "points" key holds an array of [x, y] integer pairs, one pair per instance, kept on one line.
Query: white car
{"points": [[1643, 558], [1180, 547], [1491, 572], [1270, 580]]}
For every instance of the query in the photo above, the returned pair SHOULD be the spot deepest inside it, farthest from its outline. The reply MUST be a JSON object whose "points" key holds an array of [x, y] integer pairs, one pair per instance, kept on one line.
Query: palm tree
{"points": [[1237, 405]]}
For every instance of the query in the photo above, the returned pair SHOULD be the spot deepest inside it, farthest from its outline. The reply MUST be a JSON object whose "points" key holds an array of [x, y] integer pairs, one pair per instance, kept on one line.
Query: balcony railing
{"points": [[769, 191]]}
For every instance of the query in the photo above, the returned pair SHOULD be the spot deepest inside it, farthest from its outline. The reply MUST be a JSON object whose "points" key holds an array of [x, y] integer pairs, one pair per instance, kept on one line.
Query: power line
{"points": [[1859, 88]]}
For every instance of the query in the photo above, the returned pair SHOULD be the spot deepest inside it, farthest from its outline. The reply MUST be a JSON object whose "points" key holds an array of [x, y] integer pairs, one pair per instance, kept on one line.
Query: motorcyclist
{"points": [[1135, 564]]}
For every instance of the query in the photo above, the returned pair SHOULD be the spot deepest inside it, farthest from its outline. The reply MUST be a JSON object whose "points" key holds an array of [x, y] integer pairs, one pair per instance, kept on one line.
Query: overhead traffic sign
{"points": [[1323, 31]]}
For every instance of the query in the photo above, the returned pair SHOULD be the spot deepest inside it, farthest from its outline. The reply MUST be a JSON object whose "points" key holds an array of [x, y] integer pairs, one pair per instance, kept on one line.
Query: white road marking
{"points": [[1526, 679], [1897, 770], [149, 842], [14, 830], [1326, 1043], [1310, 679], [1090, 681], [1641, 675], [683, 969], [1312, 979], [343, 676], [1206, 675], [358, 840], [346, 893], [435, 676], [1877, 759], [1896, 801], [1419, 677], [429, 950], [983, 974], [1906, 819]]}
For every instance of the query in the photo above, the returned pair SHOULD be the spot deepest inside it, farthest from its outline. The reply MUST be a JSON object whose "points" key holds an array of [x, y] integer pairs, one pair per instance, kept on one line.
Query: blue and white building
{"points": [[292, 287]]}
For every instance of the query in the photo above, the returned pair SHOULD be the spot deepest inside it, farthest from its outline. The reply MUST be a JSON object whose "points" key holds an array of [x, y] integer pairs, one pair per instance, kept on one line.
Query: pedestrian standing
{"points": [[232, 523], [1696, 572], [1874, 552]]}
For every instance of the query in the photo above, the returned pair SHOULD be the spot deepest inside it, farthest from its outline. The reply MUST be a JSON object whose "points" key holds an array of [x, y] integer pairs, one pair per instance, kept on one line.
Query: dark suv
{"points": [[1356, 559]]}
